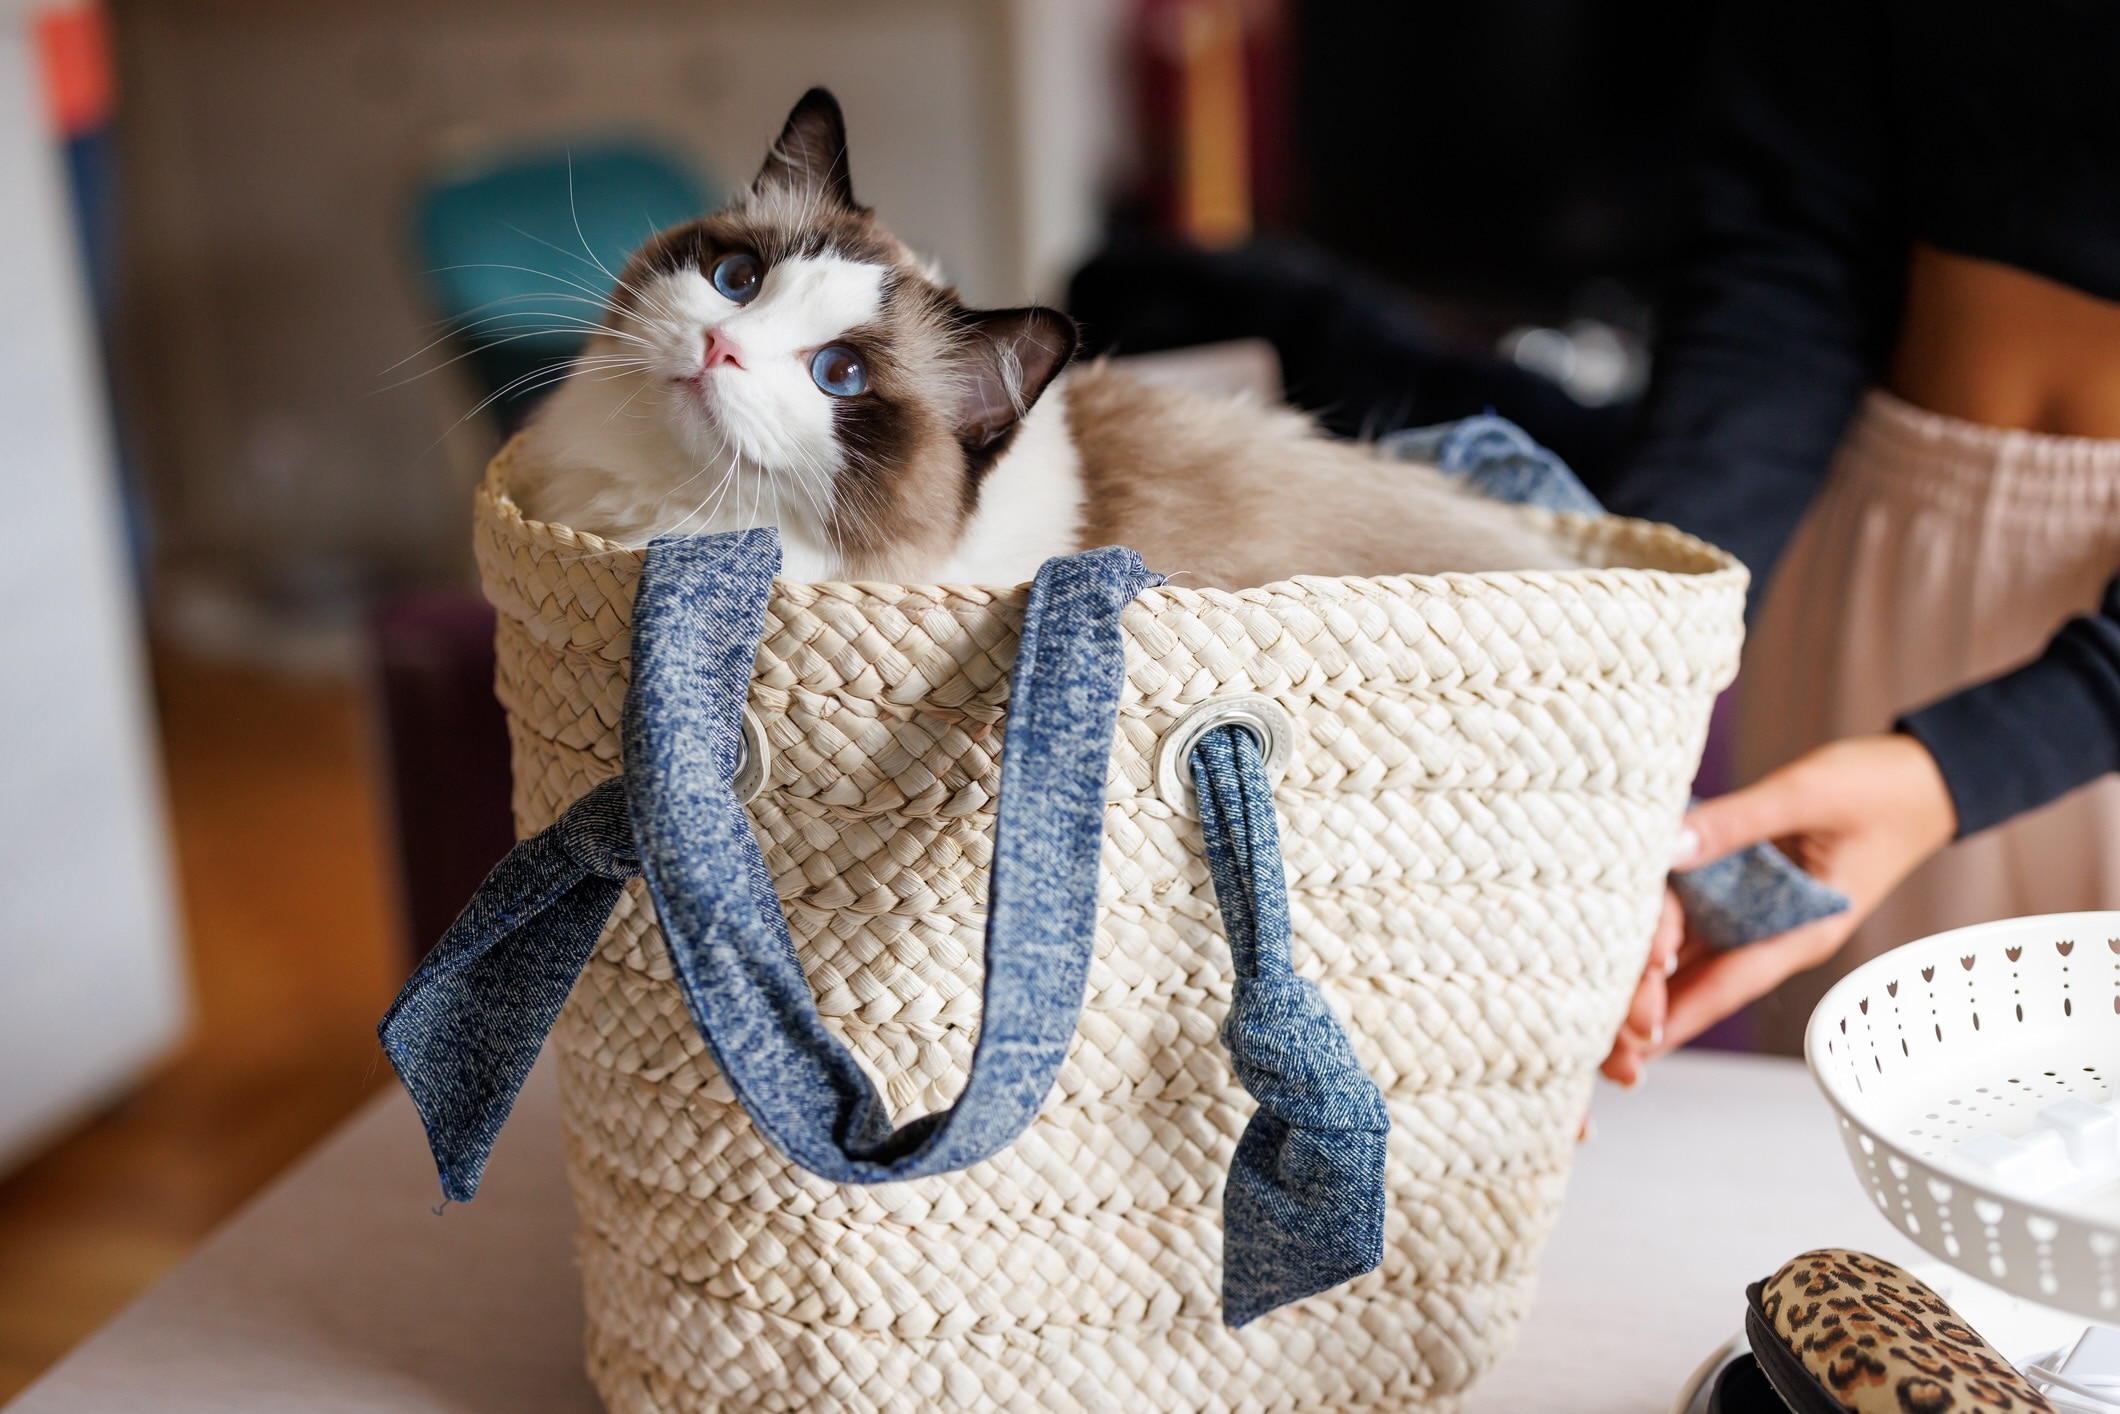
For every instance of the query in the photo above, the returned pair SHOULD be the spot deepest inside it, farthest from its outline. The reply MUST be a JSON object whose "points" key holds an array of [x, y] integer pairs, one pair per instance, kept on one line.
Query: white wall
{"points": [[91, 985], [1075, 131]]}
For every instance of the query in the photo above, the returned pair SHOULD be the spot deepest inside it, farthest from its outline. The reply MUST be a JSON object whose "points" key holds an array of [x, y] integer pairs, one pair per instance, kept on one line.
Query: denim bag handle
{"points": [[696, 629], [468, 1025]]}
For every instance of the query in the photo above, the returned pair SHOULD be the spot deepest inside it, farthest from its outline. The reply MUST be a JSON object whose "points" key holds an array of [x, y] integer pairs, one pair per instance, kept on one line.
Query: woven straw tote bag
{"points": [[1478, 780]]}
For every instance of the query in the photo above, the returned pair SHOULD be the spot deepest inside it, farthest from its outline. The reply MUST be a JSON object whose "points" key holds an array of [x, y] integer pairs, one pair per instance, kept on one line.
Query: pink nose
{"points": [[722, 349]]}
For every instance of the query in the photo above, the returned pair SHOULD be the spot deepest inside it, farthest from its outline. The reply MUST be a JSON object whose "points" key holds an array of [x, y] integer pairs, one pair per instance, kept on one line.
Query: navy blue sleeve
{"points": [[2013, 743], [1786, 306]]}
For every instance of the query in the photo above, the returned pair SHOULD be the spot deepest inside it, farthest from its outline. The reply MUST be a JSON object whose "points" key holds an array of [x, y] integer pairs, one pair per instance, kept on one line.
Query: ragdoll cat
{"points": [[786, 361]]}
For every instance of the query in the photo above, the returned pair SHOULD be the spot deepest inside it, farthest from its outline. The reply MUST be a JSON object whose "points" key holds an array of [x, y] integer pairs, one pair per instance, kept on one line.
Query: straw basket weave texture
{"points": [[1487, 775]]}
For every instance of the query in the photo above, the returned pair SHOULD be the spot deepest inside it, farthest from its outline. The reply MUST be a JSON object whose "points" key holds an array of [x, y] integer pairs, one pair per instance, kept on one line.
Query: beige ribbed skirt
{"points": [[1939, 554]]}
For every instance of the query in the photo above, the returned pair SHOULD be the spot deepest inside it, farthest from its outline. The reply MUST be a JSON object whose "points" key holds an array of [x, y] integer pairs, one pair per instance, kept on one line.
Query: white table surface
{"points": [[339, 1290]]}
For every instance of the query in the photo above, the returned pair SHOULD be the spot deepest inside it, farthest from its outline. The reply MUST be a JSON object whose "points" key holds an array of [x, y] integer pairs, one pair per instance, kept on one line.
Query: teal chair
{"points": [[520, 251]]}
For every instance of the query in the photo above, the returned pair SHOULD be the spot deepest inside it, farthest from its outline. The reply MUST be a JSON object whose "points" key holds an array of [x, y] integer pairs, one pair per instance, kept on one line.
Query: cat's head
{"points": [[794, 343]]}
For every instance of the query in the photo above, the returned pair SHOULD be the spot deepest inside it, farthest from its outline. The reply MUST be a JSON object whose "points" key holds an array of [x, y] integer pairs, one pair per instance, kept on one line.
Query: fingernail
{"points": [[1656, 1036], [1684, 848], [1671, 965]]}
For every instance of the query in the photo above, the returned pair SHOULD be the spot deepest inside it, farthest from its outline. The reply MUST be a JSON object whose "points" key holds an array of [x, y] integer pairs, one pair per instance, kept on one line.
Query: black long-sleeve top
{"points": [[1837, 134]]}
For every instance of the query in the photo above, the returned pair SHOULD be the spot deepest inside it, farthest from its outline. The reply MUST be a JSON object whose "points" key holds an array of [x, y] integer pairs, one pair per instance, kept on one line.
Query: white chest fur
{"points": [[1030, 505]]}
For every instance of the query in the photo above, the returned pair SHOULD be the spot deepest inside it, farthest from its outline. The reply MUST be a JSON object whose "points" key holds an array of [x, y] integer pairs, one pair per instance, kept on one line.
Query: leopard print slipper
{"points": [[1840, 1332]]}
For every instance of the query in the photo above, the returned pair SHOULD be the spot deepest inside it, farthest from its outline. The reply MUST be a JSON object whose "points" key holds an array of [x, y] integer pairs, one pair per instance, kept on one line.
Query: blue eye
{"points": [[738, 277], [839, 371]]}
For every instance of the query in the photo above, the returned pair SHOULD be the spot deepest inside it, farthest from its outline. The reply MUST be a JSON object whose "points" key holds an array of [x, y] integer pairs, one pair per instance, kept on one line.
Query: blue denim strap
{"points": [[1303, 1209], [465, 1030], [696, 627]]}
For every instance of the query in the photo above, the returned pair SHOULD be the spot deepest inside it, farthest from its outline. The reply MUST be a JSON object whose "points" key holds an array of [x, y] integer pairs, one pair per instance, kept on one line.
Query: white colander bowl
{"points": [[1974, 1032]]}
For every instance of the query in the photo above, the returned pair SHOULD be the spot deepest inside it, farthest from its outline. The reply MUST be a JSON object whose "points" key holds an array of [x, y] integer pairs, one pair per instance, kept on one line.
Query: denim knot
{"points": [[1291, 1054], [597, 832], [1303, 1209]]}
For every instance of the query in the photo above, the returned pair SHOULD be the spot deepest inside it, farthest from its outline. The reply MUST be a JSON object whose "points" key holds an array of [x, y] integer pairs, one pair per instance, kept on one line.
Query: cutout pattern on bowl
{"points": [[1970, 1033]]}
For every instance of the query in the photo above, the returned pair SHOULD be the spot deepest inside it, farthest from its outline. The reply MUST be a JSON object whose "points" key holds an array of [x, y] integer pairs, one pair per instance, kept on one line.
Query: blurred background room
{"points": [[279, 277]]}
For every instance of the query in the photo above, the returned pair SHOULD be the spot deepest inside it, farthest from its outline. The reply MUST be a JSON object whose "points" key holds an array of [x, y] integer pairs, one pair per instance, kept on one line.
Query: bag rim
{"points": [[1668, 554]]}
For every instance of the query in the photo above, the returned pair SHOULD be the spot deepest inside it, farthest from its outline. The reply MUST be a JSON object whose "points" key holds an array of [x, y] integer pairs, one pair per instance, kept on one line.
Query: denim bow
{"points": [[1305, 1199], [1303, 1209]]}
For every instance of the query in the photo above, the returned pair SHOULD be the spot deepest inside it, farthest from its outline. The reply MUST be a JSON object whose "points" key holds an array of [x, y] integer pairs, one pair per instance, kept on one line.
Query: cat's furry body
{"points": [[965, 455], [1231, 494]]}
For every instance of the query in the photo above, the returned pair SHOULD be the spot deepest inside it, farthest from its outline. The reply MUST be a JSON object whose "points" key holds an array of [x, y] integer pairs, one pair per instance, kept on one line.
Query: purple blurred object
{"points": [[1716, 768], [445, 744], [1737, 1031]]}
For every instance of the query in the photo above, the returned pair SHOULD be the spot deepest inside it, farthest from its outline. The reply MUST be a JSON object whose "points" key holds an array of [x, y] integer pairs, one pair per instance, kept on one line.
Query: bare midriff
{"points": [[1992, 344]]}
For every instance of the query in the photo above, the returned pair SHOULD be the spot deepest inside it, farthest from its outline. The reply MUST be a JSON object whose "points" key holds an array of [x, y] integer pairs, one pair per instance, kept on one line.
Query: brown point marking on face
{"points": [[902, 485], [918, 443]]}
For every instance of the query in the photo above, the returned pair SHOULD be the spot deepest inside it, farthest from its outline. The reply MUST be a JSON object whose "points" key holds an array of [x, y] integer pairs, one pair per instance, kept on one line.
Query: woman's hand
{"points": [[1859, 814]]}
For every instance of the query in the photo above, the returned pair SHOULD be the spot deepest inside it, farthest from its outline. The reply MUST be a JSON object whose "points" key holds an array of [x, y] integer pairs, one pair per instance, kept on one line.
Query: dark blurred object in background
{"points": [[1354, 350], [73, 45], [1506, 153], [1465, 207], [445, 743]]}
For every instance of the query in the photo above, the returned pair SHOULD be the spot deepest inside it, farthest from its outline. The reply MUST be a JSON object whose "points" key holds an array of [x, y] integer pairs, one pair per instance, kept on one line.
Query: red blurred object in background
{"points": [[73, 52], [1213, 95]]}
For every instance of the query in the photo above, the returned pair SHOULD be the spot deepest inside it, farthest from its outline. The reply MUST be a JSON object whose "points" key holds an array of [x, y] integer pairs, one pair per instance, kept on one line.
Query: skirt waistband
{"points": [[1964, 468]]}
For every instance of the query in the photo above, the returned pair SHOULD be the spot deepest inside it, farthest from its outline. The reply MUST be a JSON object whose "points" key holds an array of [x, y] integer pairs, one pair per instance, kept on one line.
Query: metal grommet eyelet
{"points": [[1266, 720], [754, 760]]}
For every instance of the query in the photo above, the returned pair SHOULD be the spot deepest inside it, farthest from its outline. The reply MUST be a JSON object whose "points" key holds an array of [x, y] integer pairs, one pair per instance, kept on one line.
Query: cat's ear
{"points": [[1009, 357], [810, 155]]}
